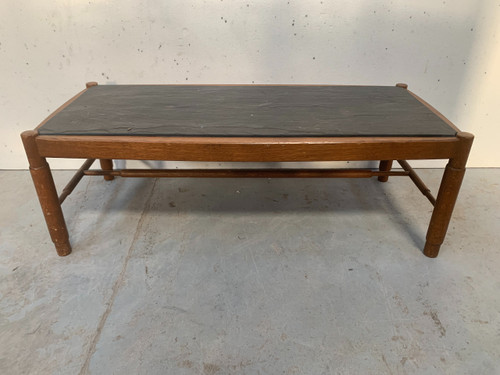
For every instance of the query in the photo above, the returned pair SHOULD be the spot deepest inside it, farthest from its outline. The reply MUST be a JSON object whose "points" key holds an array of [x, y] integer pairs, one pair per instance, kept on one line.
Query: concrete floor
{"points": [[250, 276]]}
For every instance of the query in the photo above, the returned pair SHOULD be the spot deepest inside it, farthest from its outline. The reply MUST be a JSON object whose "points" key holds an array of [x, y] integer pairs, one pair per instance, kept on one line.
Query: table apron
{"points": [[256, 150]]}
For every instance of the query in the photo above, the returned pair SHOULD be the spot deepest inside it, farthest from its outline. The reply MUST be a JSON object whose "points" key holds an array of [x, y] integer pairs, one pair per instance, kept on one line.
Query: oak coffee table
{"points": [[247, 123]]}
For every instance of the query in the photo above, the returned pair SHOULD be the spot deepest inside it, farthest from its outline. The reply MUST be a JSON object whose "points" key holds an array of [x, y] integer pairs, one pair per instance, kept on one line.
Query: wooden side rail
{"points": [[75, 180], [249, 173], [417, 181]]}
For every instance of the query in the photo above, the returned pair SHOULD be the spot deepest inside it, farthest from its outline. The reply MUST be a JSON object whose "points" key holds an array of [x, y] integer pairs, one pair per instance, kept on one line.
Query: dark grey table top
{"points": [[247, 111]]}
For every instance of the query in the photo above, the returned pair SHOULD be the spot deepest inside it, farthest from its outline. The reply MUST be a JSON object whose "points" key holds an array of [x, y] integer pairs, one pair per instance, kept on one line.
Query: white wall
{"points": [[447, 51]]}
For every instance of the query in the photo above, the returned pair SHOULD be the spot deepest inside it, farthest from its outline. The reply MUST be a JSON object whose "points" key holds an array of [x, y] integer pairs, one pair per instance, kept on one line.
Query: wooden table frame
{"points": [[247, 149]]}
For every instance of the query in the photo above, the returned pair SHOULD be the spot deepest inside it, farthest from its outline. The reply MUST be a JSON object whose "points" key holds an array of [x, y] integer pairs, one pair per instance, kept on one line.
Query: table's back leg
{"points": [[47, 194], [385, 166], [107, 165], [447, 196]]}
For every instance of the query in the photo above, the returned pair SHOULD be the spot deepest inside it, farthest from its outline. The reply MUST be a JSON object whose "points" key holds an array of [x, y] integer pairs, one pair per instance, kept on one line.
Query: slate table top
{"points": [[247, 111]]}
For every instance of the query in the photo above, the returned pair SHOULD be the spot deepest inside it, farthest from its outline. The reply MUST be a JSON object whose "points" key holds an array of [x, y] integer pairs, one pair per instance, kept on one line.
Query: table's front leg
{"points": [[47, 194], [447, 196]]}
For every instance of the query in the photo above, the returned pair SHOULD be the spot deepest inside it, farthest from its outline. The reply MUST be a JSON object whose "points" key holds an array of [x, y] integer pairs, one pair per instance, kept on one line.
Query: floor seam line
{"points": [[116, 286]]}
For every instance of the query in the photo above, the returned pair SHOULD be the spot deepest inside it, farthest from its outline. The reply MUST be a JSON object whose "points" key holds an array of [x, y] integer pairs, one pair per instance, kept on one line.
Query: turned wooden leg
{"points": [[447, 196], [107, 165], [47, 194], [385, 166]]}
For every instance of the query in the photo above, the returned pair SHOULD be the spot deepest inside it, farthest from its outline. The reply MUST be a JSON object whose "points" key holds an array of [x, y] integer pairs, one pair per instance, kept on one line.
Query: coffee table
{"points": [[247, 123]]}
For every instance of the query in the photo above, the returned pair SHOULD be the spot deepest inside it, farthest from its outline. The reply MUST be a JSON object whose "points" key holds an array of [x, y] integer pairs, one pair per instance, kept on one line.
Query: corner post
{"points": [[47, 194], [90, 84], [447, 196]]}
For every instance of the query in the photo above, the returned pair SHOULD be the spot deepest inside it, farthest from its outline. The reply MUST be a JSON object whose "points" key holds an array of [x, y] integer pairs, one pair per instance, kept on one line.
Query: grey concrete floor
{"points": [[250, 276]]}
